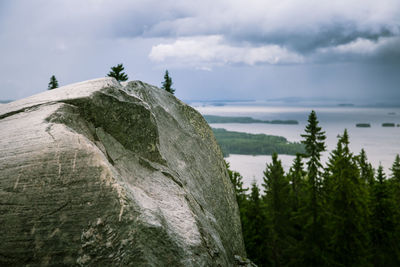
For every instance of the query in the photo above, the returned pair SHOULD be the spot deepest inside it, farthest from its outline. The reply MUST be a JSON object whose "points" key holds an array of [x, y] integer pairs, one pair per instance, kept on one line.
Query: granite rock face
{"points": [[103, 174]]}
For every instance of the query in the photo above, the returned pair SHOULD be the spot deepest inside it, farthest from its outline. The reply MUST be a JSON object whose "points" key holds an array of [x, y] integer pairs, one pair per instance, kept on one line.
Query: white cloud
{"points": [[206, 51], [360, 46], [363, 47], [77, 40], [275, 31], [281, 20]]}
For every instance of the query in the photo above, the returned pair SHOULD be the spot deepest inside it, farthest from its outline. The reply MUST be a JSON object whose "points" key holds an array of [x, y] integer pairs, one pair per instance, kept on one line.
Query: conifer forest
{"points": [[341, 213]]}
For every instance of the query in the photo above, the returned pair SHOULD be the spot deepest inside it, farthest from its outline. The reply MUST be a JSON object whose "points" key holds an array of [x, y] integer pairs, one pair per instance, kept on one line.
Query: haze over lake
{"points": [[380, 143]]}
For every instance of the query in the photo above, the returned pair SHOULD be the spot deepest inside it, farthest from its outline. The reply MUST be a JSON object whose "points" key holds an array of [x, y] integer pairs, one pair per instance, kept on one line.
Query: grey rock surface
{"points": [[103, 174]]}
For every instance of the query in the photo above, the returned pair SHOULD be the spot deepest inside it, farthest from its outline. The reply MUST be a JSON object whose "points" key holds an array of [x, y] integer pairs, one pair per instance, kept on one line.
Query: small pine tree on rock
{"points": [[53, 83], [167, 83], [117, 73]]}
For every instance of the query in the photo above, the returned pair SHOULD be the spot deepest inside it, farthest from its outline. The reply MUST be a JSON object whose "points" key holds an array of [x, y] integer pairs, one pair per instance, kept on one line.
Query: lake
{"points": [[380, 143]]}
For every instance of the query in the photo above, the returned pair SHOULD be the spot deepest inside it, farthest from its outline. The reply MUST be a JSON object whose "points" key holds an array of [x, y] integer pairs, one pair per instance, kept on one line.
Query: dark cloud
{"points": [[308, 42], [300, 26], [295, 47]]}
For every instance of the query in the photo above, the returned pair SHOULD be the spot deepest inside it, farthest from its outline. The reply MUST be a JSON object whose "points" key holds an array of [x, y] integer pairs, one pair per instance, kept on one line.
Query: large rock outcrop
{"points": [[98, 173]]}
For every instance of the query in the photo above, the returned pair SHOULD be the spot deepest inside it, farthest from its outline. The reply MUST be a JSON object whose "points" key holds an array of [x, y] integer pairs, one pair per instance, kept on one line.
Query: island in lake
{"points": [[345, 105], [255, 144], [388, 124], [363, 125], [223, 119]]}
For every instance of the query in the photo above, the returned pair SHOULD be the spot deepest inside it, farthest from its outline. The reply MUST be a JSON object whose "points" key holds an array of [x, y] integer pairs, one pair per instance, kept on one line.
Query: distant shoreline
{"points": [[223, 119]]}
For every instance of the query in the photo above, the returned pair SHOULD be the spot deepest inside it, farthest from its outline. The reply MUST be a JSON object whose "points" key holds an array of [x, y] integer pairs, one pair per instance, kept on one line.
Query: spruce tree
{"points": [[367, 180], [276, 199], [385, 243], [167, 83], [347, 209], [296, 176], [312, 247], [254, 228], [396, 168], [328, 182], [240, 192], [366, 170], [394, 184], [117, 73], [314, 141], [53, 83]]}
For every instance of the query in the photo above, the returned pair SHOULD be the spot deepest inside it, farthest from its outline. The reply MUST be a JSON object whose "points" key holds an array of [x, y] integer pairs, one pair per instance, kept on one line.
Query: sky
{"points": [[213, 49]]}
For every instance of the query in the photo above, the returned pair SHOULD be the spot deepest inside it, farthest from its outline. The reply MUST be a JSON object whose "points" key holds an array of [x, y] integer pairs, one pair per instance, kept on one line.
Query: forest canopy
{"points": [[343, 213]]}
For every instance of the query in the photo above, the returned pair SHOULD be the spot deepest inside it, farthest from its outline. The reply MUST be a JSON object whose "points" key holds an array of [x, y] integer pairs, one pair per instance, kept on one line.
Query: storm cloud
{"points": [[314, 30], [265, 41]]}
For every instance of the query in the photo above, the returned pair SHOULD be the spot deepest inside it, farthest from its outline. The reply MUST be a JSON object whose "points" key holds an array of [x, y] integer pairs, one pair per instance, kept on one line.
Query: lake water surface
{"points": [[380, 143]]}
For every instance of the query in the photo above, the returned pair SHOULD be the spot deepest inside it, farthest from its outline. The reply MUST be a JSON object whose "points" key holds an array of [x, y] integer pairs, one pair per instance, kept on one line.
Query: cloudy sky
{"points": [[214, 49]]}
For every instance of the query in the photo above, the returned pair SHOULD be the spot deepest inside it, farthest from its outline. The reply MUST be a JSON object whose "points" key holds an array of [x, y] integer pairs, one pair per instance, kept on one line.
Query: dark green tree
{"points": [[277, 189], [296, 177], [240, 192], [53, 83], [117, 73], [396, 168], [394, 184], [237, 181], [254, 228], [347, 209], [385, 244], [313, 238], [314, 141], [167, 83], [366, 170], [367, 181], [328, 182]]}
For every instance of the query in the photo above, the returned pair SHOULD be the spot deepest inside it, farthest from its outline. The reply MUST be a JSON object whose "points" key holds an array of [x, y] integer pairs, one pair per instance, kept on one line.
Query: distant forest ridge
{"points": [[223, 119], [255, 144]]}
